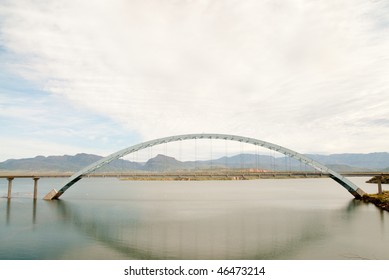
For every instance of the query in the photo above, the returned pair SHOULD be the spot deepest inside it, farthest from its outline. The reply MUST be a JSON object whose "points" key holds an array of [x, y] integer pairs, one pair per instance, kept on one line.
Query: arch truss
{"points": [[344, 182]]}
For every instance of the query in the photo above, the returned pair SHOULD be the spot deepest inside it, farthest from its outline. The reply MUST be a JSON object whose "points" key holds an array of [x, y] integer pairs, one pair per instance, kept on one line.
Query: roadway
{"points": [[187, 174]]}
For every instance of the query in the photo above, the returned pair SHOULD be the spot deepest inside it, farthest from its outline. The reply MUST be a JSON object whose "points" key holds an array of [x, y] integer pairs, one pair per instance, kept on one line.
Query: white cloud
{"points": [[311, 75]]}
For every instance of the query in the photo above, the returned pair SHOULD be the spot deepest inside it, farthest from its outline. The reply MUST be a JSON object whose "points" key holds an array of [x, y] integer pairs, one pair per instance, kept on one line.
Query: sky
{"points": [[98, 76]]}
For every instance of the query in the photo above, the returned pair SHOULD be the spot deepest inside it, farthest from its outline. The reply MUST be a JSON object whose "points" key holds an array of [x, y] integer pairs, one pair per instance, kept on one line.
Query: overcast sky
{"points": [[98, 76]]}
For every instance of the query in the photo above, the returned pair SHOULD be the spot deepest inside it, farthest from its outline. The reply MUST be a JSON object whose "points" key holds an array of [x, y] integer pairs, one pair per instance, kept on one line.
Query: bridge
{"points": [[340, 179], [184, 176]]}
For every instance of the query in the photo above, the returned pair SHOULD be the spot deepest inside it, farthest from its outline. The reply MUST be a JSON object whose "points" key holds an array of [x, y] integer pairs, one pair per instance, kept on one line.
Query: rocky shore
{"points": [[380, 200]]}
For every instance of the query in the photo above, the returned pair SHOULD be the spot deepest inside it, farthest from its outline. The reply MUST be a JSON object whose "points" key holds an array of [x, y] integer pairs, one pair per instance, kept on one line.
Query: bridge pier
{"points": [[35, 187], [10, 179], [9, 187], [379, 180], [379, 184]]}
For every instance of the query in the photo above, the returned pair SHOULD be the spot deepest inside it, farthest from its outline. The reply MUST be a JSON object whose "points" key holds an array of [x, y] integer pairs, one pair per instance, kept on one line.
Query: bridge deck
{"points": [[184, 176], [188, 174]]}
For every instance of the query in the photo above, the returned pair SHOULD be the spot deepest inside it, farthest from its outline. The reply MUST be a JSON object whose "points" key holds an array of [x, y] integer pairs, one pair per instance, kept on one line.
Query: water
{"points": [[106, 218]]}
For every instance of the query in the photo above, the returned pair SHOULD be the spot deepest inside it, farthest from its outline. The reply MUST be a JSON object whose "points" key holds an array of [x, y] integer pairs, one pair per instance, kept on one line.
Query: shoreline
{"points": [[379, 200], [216, 177]]}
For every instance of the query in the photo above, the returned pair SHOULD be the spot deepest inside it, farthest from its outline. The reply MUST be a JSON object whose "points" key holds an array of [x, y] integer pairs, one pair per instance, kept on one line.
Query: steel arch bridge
{"points": [[344, 182]]}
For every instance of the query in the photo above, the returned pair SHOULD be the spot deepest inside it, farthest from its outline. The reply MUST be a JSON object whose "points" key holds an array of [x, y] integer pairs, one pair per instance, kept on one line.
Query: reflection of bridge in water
{"points": [[238, 235], [193, 227]]}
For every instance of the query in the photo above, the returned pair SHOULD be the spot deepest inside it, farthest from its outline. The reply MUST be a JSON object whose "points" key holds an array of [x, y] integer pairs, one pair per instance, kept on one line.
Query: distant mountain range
{"points": [[338, 162]]}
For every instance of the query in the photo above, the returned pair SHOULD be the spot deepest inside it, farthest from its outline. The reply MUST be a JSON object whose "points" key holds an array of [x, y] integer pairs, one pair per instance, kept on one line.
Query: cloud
{"points": [[35, 147], [45, 124], [311, 75]]}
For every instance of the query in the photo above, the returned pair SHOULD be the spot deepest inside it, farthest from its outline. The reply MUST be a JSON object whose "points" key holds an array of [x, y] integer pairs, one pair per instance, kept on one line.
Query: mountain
{"points": [[338, 162], [372, 161], [62, 163], [346, 168], [161, 163]]}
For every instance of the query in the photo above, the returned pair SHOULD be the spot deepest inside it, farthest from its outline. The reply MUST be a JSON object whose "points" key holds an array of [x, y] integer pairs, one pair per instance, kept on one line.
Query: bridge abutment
{"points": [[51, 195]]}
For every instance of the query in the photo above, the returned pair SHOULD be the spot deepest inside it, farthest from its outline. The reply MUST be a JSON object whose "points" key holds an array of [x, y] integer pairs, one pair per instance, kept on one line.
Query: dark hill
{"points": [[162, 162]]}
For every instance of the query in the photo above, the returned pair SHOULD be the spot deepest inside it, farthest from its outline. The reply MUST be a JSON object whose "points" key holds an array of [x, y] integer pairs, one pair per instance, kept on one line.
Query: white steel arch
{"points": [[347, 184]]}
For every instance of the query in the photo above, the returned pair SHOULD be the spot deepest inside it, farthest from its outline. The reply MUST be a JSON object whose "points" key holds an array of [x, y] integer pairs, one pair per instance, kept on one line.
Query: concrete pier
{"points": [[9, 187], [35, 187], [379, 185], [10, 179], [379, 180]]}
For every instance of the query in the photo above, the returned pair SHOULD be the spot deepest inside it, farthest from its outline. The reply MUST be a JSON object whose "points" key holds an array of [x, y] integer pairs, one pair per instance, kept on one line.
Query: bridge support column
{"points": [[9, 186], [35, 187], [379, 185]]}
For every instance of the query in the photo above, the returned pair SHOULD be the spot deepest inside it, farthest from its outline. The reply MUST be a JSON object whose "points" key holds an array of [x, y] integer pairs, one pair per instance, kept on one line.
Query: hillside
{"points": [[338, 162], [373, 161], [161, 162], [62, 163]]}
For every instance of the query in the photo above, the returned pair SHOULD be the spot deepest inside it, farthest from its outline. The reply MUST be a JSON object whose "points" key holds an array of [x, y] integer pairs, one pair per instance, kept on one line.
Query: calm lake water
{"points": [[106, 218]]}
